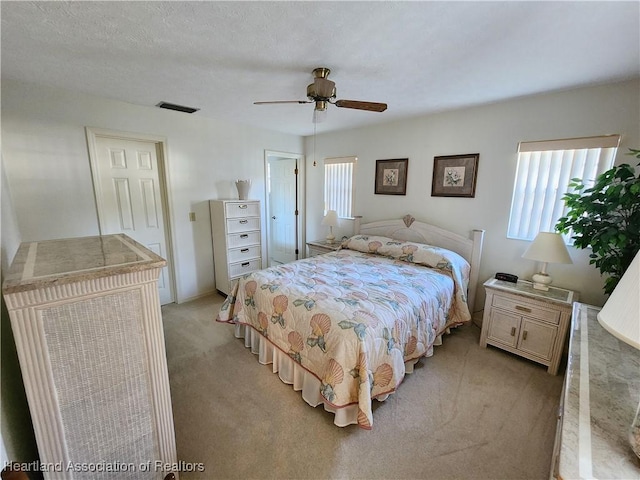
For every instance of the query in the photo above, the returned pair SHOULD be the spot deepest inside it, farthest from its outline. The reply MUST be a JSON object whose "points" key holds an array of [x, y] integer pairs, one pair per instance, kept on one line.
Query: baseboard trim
{"points": [[198, 297]]}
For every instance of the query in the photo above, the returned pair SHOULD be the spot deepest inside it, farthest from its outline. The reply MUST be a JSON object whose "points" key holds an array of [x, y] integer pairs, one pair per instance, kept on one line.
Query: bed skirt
{"points": [[292, 373]]}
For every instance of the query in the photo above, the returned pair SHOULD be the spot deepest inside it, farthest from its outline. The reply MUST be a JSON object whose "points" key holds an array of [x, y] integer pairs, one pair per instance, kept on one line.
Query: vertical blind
{"points": [[543, 174], [338, 185]]}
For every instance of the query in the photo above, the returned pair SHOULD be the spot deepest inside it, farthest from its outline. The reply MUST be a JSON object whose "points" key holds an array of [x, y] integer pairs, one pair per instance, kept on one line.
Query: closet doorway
{"points": [[130, 187], [284, 206]]}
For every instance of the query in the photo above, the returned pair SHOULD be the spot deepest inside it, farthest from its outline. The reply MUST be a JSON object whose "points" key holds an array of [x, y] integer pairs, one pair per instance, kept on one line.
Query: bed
{"points": [[345, 327]]}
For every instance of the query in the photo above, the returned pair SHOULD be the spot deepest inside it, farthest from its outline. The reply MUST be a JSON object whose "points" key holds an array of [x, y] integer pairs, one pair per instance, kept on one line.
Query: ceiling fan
{"points": [[323, 92]]}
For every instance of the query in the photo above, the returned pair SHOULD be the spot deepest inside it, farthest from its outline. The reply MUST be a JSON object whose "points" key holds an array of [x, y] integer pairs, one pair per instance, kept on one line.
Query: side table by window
{"points": [[318, 247], [527, 322]]}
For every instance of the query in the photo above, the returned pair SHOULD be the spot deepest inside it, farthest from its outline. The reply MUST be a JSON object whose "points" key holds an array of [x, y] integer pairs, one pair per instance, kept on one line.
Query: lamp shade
{"points": [[548, 247], [330, 219], [620, 315]]}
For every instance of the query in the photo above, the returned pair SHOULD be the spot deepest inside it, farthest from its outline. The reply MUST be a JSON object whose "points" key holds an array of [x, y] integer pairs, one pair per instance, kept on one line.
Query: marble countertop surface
{"points": [[602, 392], [53, 262], [525, 288]]}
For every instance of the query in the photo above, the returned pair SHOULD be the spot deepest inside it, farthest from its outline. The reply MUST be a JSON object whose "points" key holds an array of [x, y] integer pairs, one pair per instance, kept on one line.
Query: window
{"points": [[543, 174], [338, 185]]}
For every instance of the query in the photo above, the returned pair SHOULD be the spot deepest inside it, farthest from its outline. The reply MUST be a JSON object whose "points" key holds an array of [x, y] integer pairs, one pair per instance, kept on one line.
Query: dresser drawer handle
{"points": [[244, 250], [513, 331], [243, 221], [524, 335], [244, 235], [243, 206], [246, 264], [523, 309]]}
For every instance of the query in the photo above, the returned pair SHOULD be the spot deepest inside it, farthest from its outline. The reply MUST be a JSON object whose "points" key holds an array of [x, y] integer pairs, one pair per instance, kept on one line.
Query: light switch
{"points": [[192, 216]]}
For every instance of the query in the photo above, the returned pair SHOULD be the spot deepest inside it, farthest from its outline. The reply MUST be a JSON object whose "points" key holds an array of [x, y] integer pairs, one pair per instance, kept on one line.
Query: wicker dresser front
{"points": [[86, 318]]}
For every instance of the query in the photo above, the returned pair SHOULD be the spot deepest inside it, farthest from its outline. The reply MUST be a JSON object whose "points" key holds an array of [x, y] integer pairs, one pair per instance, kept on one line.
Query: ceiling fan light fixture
{"points": [[325, 88], [319, 116], [321, 105], [323, 91]]}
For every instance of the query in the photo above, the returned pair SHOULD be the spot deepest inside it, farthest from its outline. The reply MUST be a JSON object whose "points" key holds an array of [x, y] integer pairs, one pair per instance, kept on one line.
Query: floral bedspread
{"points": [[352, 318]]}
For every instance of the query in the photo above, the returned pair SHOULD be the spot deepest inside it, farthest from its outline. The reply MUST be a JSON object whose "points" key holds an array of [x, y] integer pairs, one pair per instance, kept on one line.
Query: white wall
{"points": [[17, 440], [493, 131], [47, 165]]}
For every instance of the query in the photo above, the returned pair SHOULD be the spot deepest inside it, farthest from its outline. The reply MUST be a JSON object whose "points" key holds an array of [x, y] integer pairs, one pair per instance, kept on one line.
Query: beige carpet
{"points": [[465, 413]]}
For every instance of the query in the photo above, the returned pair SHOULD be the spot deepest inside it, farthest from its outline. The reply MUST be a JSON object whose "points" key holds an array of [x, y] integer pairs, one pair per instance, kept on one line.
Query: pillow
{"points": [[412, 252], [369, 243]]}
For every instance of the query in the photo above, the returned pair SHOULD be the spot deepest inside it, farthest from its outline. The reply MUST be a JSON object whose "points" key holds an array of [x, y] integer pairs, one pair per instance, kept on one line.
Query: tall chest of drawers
{"points": [[236, 232]]}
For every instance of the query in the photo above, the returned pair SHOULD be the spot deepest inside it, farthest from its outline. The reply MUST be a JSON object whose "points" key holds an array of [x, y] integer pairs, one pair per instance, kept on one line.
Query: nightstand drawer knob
{"points": [[513, 331], [243, 206], [523, 309]]}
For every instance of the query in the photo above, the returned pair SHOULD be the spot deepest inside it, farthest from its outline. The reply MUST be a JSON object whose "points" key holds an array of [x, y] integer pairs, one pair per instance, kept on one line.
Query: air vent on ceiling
{"points": [[177, 108]]}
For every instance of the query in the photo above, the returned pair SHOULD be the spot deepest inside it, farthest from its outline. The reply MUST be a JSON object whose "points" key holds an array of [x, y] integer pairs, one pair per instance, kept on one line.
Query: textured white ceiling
{"points": [[418, 57]]}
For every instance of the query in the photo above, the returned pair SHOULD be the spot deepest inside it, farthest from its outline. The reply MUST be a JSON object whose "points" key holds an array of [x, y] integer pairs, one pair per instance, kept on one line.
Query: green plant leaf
{"points": [[606, 218]]}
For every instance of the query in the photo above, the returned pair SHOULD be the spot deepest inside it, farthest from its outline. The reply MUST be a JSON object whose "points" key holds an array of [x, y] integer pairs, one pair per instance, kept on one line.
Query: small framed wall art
{"points": [[391, 176], [455, 175]]}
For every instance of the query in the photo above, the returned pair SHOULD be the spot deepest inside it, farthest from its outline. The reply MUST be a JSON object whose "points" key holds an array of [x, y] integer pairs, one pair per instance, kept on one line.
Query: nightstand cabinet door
{"points": [[504, 327], [537, 338]]}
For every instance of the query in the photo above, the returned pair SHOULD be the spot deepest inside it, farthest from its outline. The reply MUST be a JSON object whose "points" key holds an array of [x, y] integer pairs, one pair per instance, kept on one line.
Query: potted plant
{"points": [[606, 218]]}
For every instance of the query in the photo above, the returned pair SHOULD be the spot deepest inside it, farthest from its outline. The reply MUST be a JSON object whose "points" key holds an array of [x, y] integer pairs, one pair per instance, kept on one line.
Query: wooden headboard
{"points": [[412, 230]]}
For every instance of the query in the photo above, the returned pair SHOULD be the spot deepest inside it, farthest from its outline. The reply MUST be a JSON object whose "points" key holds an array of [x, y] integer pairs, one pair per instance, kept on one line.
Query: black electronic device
{"points": [[507, 277]]}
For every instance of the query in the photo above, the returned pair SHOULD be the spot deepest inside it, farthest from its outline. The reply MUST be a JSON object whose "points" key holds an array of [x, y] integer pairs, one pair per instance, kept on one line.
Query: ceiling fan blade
{"points": [[369, 106], [282, 101]]}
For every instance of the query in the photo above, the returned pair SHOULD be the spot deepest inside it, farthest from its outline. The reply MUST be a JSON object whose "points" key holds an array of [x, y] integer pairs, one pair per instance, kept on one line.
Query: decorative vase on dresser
{"points": [[85, 314], [236, 233]]}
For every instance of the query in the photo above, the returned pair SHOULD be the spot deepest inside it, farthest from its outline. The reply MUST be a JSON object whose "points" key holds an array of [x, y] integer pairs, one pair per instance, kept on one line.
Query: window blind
{"points": [[543, 173], [338, 185]]}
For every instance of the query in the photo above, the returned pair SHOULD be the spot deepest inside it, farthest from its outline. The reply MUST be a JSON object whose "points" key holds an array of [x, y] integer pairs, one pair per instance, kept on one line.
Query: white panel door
{"points": [[282, 206], [130, 197]]}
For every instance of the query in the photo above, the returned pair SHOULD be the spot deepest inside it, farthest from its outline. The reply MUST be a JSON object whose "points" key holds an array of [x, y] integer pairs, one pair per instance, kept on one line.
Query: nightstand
{"points": [[527, 322], [318, 247]]}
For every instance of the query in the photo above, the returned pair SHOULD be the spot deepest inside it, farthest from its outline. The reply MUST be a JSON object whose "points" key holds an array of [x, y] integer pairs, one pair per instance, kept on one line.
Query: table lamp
{"points": [[331, 220], [547, 247], [620, 316]]}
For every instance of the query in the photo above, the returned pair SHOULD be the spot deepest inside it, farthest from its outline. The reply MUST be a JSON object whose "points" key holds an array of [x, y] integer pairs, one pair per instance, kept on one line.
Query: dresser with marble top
{"points": [[86, 318], [599, 400]]}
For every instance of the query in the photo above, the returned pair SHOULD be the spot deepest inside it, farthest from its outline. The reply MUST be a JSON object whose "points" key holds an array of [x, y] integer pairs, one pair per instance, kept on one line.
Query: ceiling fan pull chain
{"points": [[315, 126]]}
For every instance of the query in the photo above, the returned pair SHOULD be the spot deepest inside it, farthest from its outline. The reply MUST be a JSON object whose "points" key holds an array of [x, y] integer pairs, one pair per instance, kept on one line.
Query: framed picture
{"points": [[391, 176], [455, 175]]}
